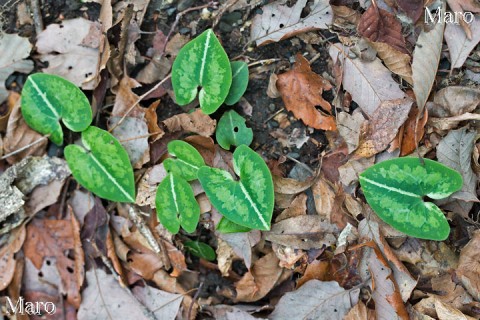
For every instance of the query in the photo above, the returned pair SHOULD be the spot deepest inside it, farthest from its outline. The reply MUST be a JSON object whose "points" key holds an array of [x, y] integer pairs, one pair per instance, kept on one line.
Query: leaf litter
{"points": [[360, 82]]}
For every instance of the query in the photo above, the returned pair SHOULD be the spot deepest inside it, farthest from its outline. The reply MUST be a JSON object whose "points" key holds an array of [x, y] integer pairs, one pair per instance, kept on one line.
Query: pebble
{"points": [[271, 107]]}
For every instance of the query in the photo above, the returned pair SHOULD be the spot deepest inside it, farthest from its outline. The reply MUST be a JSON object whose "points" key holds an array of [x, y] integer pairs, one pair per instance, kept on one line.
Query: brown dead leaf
{"points": [[349, 127], [360, 312], [195, 122], [288, 256], [446, 312], [297, 208], [204, 145], [379, 25], [54, 238], [303, 232], [468, 270], [455, 101], [344, 15], [412, 135], [261, 279], [272, 90], [5, 112], [301, 91], [383, 126], [459, 44], [19, 135], [290, 186], [225, 256], [452, 122], [450, 292], [125, 99], [316, 270], [242, 243], [7, 252], [152, 122], [397, 61]]}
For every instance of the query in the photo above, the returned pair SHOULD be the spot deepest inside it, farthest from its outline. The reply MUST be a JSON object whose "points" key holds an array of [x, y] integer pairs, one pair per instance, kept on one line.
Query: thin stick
{"points": [[138, 101], [25, 147], [263, 62], [37, 16], [274, 115]]}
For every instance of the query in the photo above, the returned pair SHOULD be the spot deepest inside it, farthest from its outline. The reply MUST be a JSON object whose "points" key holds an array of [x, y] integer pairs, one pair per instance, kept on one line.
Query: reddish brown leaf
{"points": [[379, 25], [301, 91], [315, 270], [413, 128], [54, 238], [413, 8]]}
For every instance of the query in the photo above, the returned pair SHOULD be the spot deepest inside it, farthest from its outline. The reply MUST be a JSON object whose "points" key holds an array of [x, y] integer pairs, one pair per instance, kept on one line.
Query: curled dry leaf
{"points": [[383, 126], [303, 232], [452, 122], [413, 131], [379, 25], [369, 83], [316, 300], [279, 22], [264, 275], [242, 243], [195, 122], [301, 91], [71, 50], [152, 122], [126, 98], [349, 127], [425, 61], [344, 15], [19, 135]]}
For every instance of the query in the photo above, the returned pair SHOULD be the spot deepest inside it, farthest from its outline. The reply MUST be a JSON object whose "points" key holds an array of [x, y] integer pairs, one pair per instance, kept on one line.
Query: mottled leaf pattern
{"points": [[232, 130], [102, 166], [187, 162], [176, 204], [47, 98], [201, 250], [395, 190], [247, 202], [227, 226], [239, 82], [202, 63]]}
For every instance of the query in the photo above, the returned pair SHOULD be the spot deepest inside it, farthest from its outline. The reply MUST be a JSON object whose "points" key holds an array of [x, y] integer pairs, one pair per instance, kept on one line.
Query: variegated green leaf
{"points": [[101, 165], [239, 82], [187, 162], [232, 130], [201, 250], [395, 190], [47, 99], [227, 226], [247, 202], [202, 64], [176, 204]]}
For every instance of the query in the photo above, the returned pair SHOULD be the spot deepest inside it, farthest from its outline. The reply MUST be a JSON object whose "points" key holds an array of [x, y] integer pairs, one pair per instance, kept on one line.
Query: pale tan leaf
{"points": [[369, 83], [316, 300], [452, 122], [14, 50], [454, 101], [468, 270], [446, 312], [398, 62], [425, 62], [459, 46], [71, 50], [349, 128], [278, 21]]}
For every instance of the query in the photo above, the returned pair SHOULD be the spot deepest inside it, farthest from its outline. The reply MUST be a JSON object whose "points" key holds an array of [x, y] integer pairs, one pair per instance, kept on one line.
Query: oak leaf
{"points": [[301, 91]]}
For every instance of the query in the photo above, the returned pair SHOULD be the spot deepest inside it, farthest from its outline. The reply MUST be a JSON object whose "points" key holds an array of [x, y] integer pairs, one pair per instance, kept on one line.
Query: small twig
{"points": [[274, 115], [138, 101], [263, 62], [195, 297], [37, 16], [25, 147]]}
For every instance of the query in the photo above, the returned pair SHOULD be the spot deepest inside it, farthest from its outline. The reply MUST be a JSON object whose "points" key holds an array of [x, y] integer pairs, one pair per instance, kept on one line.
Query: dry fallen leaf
{"points": [[14, 50], [7, 252], [125, 98], [398, 62], [278, 21], [301, 91], [413, 131], [458, 43], [379, 25], [349, 127], [369, 83], [455, 101], [412, 8], [446, 312], [71, 50], [468, 266], [195, 122], [242, 243], [383, 126], [261, 279], [316, 300]]}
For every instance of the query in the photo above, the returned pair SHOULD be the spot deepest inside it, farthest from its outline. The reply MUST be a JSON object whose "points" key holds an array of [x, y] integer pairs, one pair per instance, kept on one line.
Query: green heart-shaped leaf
{"points": [[101, 165], [202, 63], [188, 160], [247, 202], [395, 190], [201, 250], [232, 130], [176, 204], [239, 82], [227, 226], [47, 98]]}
